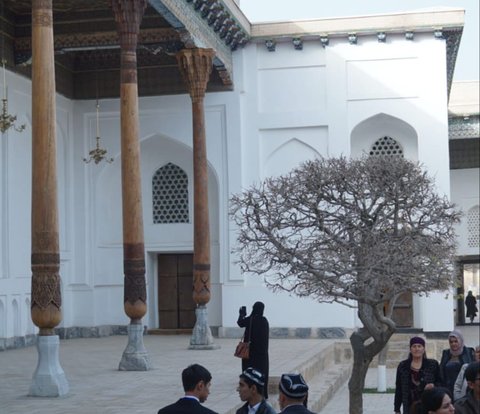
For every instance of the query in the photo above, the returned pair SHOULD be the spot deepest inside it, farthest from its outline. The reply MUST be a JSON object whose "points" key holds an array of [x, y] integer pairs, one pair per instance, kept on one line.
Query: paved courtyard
{"points": [[96, 386]]}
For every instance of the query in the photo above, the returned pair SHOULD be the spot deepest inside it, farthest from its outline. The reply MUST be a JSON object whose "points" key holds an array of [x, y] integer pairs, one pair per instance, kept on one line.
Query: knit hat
{"points": [[417, 340], [293, 385], [253, 375]]}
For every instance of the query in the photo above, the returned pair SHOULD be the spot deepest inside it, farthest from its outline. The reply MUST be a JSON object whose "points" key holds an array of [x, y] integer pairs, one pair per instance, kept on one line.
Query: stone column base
{"points": [[135, 356], [202, 335], [49, 379]]}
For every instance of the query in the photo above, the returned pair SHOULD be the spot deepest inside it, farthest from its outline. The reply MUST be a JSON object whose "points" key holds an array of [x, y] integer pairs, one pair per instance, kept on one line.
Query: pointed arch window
{"points": [[473, 227], [170, 195], [386, 147]]}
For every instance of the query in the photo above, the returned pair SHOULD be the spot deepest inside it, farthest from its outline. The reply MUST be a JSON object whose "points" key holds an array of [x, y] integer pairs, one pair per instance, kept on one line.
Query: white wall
{"points": [[287, 106], [464, 190]]}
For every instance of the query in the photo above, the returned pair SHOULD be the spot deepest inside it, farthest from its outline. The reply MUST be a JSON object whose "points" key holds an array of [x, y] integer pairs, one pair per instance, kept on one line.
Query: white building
{"points": [[300, 90]]}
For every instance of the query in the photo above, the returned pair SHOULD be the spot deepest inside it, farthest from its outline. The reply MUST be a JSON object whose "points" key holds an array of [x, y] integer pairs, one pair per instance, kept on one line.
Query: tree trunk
{"points": [[361, 362]]}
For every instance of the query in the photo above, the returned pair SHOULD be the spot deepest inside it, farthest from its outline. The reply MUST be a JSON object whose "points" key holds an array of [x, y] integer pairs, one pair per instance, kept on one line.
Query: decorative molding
{"points": [[381, 37], [297, 43], [352, 38], [270, 44], [207, 25], [324, 40], [452, 40], [409, 35], [464, 127]]}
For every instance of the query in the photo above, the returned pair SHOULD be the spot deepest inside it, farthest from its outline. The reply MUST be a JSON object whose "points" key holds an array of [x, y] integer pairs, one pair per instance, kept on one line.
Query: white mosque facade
{"points": [[298, 97]]}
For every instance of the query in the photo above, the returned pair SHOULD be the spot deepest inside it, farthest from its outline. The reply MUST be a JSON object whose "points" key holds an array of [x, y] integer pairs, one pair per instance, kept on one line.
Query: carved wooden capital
{"points": [[195, 66], [128, 16], [42, 13]]}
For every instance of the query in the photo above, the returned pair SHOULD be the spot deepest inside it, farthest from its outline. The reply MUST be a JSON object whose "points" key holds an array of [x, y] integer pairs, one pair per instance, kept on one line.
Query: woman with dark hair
{"points": [[414, 375], [453, 359], [257, 332], [436, 400]]}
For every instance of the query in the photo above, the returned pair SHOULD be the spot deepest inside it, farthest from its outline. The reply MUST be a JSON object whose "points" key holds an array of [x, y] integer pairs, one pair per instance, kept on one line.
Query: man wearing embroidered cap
{"points": [[250, 390], [293, 394]]}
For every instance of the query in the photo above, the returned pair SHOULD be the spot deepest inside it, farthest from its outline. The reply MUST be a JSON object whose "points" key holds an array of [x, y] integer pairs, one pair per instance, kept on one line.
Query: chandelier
{"points": [[97, 154]]}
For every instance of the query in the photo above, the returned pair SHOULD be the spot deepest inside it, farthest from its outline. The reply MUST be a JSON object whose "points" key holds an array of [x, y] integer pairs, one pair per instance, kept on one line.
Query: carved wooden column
{"points": [[196, 66], [49, 379], [128, 16]]}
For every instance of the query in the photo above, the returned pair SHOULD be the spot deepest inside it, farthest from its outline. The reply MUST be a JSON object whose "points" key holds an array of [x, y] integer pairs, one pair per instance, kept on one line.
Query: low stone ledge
{"points": [[278, 332], [73, 332]]}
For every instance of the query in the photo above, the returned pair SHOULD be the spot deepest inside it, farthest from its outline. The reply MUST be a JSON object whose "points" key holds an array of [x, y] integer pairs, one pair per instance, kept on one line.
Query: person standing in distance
{"points": [[250, 390], [196, 384], [257, 332], [471, 305], [293, 393]]}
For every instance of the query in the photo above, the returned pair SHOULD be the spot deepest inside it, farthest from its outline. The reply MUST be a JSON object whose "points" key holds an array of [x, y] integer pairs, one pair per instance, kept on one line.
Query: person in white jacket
{"points": [[460, 386]]}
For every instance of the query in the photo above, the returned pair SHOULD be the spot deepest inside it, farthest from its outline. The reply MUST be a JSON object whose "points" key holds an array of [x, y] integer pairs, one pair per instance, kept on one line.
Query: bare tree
{"points": [[357, 232]]}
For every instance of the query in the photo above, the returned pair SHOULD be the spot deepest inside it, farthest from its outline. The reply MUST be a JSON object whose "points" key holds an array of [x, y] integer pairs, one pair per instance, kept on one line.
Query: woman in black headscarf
{"points": [[256, 331]]}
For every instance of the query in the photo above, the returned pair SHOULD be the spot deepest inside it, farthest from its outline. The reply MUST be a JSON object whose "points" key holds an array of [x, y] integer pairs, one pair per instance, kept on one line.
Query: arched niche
{"points": [[370, 130], [287, 156]]}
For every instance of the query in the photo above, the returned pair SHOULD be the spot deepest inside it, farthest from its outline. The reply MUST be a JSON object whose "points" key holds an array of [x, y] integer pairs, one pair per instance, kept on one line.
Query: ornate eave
{"points": [[208, 24], [444, 24]]}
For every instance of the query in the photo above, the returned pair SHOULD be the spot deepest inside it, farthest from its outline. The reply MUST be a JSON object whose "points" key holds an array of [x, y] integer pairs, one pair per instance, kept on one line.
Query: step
{"points": [[185, 331]]}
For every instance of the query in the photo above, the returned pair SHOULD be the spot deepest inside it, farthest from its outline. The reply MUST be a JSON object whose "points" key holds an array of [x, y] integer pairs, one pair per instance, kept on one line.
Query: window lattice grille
{"points": [[386, 147], [473, 227], [170, 195]]}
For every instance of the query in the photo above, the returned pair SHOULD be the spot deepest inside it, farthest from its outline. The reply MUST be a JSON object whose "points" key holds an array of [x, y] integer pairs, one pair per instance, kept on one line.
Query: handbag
{"points": [[243, 347], [242, 350]]}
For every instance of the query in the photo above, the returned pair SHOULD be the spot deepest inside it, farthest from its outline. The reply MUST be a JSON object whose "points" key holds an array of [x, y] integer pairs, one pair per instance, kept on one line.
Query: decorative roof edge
{"points": [[417, 21]]}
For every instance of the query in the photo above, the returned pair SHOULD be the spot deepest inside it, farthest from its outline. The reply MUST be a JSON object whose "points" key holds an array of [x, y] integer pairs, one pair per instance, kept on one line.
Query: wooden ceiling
{"points": [[87, 52]]}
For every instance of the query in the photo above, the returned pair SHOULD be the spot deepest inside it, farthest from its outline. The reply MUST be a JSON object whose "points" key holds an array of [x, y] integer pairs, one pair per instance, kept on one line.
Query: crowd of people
{"points": [[425, 386], [422, 386], [253, 381], [196, 379]]}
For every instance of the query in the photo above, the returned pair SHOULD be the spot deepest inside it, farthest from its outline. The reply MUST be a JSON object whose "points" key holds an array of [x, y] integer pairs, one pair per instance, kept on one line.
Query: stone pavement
{"points": [[96, 386]]}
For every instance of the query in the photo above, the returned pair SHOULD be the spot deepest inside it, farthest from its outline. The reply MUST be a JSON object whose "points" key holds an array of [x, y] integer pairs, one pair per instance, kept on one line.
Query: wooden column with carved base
{"points": [[128, 16], [196, 66], [49, 379]]}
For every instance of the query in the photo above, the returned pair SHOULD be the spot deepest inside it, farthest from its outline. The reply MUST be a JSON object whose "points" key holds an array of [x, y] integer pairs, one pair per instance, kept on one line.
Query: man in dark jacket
{"points": [[470, 404], [250, 390], [293, 392], [196, 384], [257, 333]]}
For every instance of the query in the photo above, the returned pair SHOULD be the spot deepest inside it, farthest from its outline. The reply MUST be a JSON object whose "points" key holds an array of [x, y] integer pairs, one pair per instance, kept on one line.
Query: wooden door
{"points": [[403, 311], [176, 309]]}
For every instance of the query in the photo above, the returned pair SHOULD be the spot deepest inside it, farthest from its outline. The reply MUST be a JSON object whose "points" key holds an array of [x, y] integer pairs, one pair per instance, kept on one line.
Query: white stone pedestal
{"points": [[49, 379], [202, 335], [135, 356]]}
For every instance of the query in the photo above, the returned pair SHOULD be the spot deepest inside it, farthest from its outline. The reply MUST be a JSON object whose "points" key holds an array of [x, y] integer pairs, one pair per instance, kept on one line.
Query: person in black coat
{"points": [[414, 375], [453, 359], [256, 332], [196, 384], [471, 305]]}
